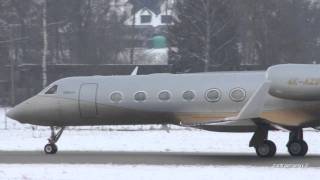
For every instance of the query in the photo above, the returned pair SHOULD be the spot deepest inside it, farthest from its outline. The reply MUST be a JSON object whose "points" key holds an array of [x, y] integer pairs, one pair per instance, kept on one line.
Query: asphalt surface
{"points": [[155, 158]]}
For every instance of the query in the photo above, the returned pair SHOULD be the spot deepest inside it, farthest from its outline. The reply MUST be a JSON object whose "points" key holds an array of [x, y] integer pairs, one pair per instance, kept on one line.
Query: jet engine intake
{"points": [[295, 81]]}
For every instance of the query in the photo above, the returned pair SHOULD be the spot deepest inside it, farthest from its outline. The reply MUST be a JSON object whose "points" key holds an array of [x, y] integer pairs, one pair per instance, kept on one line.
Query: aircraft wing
{"points": [[252, 109]]}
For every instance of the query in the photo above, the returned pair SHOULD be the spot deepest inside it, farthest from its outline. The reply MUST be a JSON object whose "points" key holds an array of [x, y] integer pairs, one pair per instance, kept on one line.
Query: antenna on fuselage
{"points": [[135, 71]]}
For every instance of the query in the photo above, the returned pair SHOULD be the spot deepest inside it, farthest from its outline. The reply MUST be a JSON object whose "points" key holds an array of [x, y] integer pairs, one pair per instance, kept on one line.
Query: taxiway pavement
{"points": [[154, 158]]}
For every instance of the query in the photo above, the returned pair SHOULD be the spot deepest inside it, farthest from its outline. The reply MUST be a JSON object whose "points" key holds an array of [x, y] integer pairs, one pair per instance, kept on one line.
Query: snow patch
{"points": [[146, 172]]}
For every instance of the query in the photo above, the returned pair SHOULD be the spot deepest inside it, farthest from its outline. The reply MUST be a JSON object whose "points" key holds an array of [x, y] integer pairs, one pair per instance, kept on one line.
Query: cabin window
{"points": [[140, 96], [188, 95], [238, 94], [164, 96], [116, 97], [213, 95], [52, 90]]}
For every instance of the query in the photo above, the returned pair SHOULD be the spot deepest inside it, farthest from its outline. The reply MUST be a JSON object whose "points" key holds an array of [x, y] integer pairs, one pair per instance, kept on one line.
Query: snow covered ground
{"points": [[147, 172], [19, 137], [149, 141]]}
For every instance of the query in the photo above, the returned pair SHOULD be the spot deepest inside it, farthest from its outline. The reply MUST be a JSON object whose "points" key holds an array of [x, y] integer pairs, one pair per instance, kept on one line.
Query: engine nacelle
{"points": [[295, 81]]}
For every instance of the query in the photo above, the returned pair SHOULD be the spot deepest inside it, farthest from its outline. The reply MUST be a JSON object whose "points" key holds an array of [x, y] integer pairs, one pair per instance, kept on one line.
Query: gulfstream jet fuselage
{"points": [[284, 96]]}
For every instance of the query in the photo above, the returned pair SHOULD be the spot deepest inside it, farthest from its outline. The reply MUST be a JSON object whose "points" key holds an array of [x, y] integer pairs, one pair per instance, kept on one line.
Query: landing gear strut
{"points": [[296, 145], [263, 146], [51, 147]]}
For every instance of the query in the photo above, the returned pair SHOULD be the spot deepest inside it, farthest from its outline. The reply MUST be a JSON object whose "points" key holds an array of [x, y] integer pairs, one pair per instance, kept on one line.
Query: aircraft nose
{"points": [[20, 112], [15, 113], [11, 114], [38, 110]]}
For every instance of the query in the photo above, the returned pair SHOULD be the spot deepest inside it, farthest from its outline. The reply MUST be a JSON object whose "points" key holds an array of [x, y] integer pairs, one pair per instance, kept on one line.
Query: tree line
{"points": [[217, 33], [205, 34], [79, 31]]}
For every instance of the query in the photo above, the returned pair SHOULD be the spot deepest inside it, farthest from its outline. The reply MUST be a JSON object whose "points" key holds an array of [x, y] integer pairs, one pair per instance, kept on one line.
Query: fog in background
{"points": [[207, 32], [201, 35]]}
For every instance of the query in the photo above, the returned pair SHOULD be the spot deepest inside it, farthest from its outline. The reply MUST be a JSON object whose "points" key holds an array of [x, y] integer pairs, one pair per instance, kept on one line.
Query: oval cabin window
{"points": [[238, 94], [188, 95], [140, 96], [213, 95], [116, 97], [164, 96]]}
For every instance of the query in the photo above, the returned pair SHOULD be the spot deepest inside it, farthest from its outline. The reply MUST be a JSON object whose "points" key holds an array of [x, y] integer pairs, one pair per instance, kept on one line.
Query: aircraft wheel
{"points": [[298, 148], [50, 149], [266, 149]]}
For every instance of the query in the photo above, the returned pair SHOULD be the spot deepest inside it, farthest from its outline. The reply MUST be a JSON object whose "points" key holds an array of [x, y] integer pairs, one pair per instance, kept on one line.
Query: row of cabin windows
{"points": [[211, 95], [165, 19]]}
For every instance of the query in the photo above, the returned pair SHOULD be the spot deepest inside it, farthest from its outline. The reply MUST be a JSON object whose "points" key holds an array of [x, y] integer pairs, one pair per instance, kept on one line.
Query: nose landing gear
{"points": [[51, 147]]}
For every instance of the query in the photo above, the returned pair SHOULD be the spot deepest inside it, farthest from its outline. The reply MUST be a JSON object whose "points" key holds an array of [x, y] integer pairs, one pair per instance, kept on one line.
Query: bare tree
{"points": [[204, 32], [273, 31], [45, 44]]}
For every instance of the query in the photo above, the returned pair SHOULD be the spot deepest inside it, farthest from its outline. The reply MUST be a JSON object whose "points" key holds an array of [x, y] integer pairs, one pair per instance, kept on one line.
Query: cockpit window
{"points": [[52, 90]]}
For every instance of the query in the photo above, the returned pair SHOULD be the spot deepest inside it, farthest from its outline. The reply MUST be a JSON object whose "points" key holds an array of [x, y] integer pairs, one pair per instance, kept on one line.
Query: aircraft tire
{"points": [[266, 149], [298, 148], [50, 149]]}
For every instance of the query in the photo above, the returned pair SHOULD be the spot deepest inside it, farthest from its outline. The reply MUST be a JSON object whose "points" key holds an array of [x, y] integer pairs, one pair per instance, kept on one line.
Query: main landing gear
{"points": [[263, 146], [296, 145], [266, 148], [51, 147]]}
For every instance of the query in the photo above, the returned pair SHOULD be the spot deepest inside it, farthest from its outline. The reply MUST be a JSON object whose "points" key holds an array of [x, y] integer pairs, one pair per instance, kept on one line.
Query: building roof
{"points": [[153, 5]]}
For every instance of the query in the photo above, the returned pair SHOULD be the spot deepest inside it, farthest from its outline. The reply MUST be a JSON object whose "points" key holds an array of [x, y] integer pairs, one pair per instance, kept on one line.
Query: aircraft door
{"points": [[87, 100]]}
